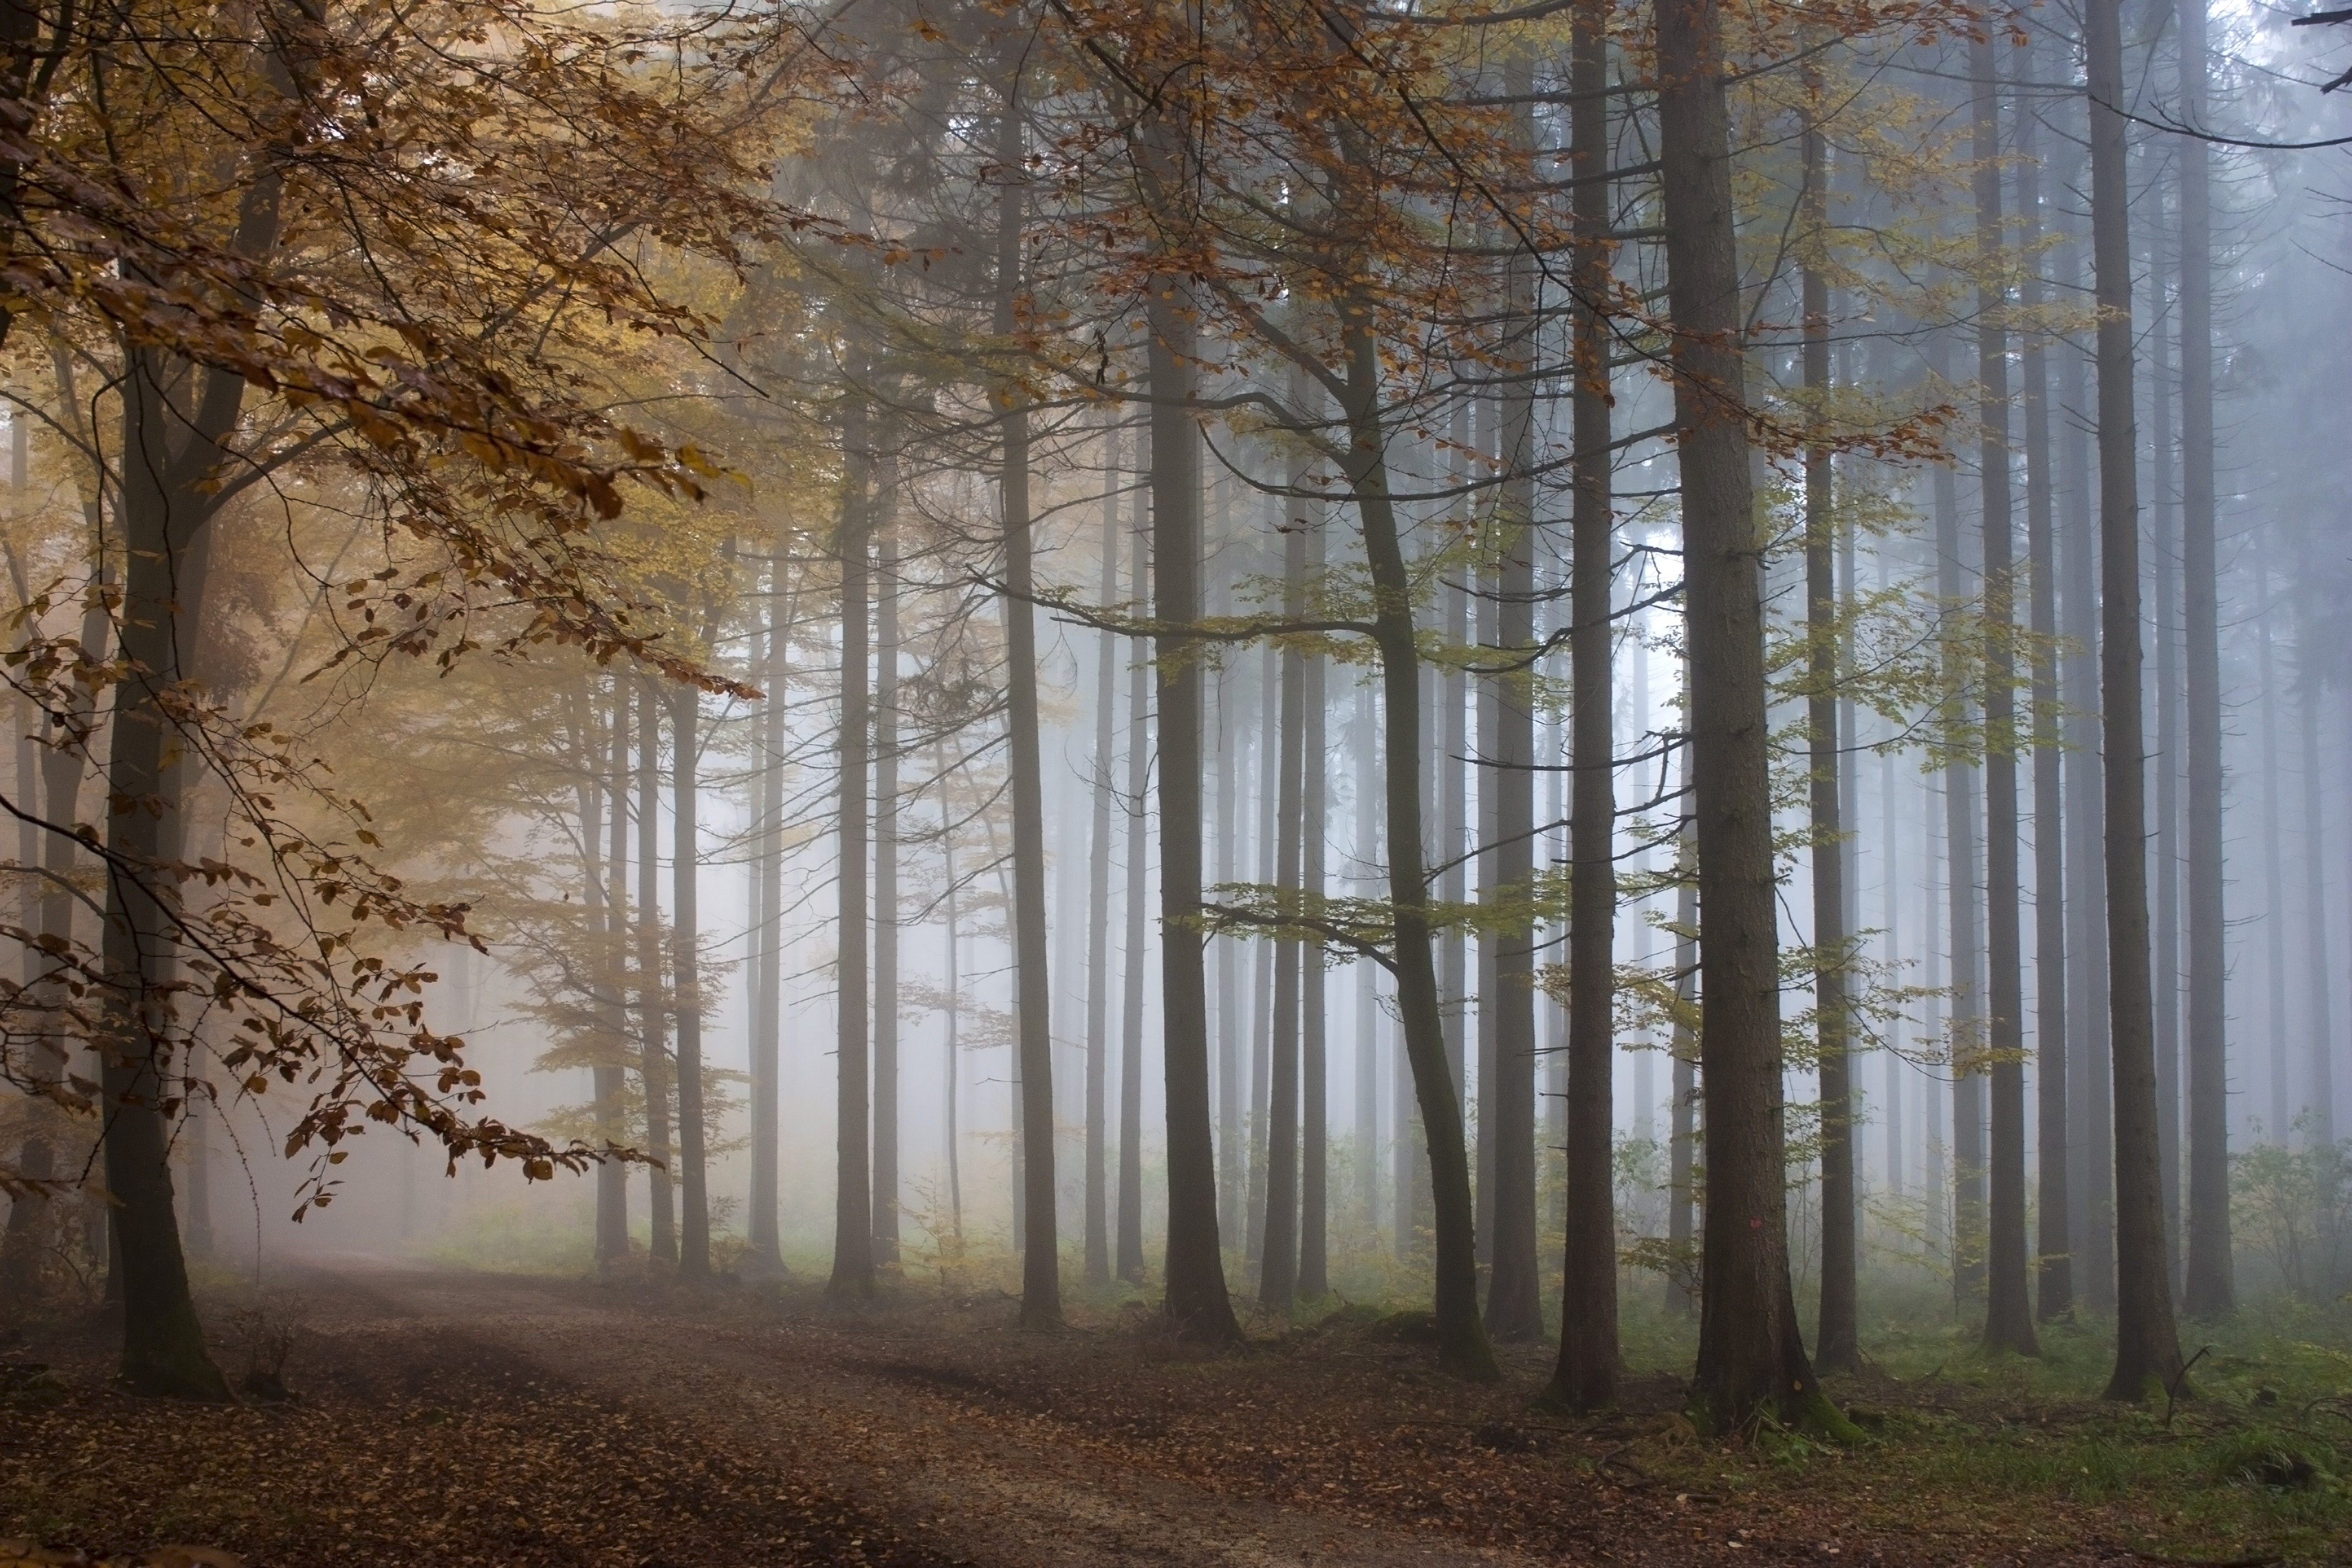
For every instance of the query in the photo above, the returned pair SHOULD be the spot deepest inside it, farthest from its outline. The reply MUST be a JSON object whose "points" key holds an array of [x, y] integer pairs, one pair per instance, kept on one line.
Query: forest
{"points": [[1119, 781]]}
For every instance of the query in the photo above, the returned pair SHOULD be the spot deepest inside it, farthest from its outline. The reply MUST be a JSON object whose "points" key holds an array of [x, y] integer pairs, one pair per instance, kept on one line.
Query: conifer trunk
{"points": [[885, 865], [1130, 1058], [1836, 1346], [853, 1218], [2009, 1311], [1751, 1354], [2210, 1289], [1197, 1300], [1097, 1174], [2147, 1347], [2053, 1267], [653, 1002], [686, 980], [1586, 1377]]}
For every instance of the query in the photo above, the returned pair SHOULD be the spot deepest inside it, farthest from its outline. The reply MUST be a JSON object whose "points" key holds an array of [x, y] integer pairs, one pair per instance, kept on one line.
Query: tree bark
{"points": [[1586, 1377], [1314, 1032], [1131, 1058], [1097, 1174], [2321, 1033], [164, 518], [1463, 1346], [1514, 1287], [1751, 1354], [1197, 1299], [608, 921], [853, 1217], [1836, 1345], [686, 980], [2009, 1309], [2053, 1267], [1041, 1287], [2148, 1346], [1278, 1260], [765, 1248], [2210, 1289], [653, 999], [886, 743]]}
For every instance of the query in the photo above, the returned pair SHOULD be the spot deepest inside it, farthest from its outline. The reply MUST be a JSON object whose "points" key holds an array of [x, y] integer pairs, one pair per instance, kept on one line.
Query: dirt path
{"points": [[952, 1461]]}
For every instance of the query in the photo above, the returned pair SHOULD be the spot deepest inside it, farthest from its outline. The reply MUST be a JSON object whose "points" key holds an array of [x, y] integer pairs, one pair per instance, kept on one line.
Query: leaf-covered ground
{"points": [[444, 1418]]}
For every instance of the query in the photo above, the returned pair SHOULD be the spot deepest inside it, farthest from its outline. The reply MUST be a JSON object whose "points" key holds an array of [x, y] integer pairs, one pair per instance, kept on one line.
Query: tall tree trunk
{"points": [[2319, 1028], [1514, 1287], [951, 940], [686, 980], [2008, 1308], [1586, 1377], [1368, 1014], [1751, 1353], [2148, 1346], [765, 1254], [1836, 1345], [2164, 619], [1197, 1299], [853, 1216], [1097, 1175], [2090, 1141], [1130, 1055], [1233, 1078], [2054, 1268], [1041, 1287], [1463, 1346], [1961, 891], [2211, 1289], [653, 999], [1270, 744], [1683, 1117], [608, 920], [1278, 1261], [165, 540], [2274, 867], [1314, 1032], [885, 864]]}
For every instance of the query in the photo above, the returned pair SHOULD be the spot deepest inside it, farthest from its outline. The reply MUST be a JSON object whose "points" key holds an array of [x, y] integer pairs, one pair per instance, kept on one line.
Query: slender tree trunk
{"points": [[686, 972], [2147, 1347], [2211, 1289], [1314, 1033], [1197, 1299], [2090, 1144], [608, 920], [1514, 1287], [2009, 1309], [2274, 869], [1278, 1262], [1586, 1377], [1098, 1193], [2164, 620], [1682, 1122], [765, 1255], [1463, 1346], [2320, 1029], [853, 1218], [1751, 1353], [952, 939], [653, 999], [1368, 1015], [1233, 1081], [1836, 1347], [885, 865], [1270, 743], [1130, 1058], [1960, 891], [2054, 1268], [1041, 1289]]}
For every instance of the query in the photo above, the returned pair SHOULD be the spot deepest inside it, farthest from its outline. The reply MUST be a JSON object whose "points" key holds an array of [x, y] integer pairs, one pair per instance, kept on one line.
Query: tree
{"points": [[2009, 1313], [1751, 1354], [1587, 1375], [2148, 1345]]}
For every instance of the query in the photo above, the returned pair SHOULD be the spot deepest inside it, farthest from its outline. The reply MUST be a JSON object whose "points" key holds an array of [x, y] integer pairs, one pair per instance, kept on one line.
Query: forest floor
{"points": [[444, 1417]]}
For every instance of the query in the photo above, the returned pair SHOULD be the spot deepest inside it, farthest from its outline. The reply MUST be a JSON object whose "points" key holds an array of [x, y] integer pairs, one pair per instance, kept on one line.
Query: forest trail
{"points": [[952, 1461]]}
